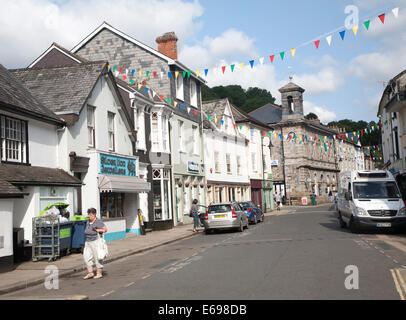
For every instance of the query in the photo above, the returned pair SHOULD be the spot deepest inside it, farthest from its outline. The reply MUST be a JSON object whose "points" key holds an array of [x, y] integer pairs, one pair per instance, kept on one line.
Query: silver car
{"points": [[227, 215]]}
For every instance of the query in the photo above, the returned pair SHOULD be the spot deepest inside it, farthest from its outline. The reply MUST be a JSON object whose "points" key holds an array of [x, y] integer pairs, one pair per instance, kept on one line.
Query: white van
{"points": [[370, 199]]}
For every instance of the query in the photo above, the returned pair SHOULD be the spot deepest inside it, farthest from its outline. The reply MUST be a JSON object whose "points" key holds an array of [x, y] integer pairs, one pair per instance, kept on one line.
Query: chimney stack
{"points": [[167, 45]]}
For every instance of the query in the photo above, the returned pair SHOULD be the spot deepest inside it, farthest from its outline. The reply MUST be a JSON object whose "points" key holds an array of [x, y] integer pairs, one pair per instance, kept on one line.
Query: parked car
{"points": [[370, 200], [227, 215], [254, 213]]}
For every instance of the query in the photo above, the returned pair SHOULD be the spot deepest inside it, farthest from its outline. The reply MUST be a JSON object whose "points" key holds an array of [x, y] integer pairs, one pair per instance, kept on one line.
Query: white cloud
{"points": [[322, 112], [227, 46], [327, 79], [29, 27]]}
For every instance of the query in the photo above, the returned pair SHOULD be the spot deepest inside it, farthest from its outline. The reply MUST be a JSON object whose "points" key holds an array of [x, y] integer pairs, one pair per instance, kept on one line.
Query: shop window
{"points": [[13, 139], [111, 205]]}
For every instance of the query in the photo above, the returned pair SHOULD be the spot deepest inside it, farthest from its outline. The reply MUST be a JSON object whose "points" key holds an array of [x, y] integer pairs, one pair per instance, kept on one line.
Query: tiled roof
{"points": [[14, 95], [31, 175], [291, 87], [62, 89], [8, 190], [214, 108]]}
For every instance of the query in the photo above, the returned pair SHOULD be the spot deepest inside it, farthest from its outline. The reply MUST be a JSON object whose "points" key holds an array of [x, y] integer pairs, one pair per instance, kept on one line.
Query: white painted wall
{"points": [[6, 228]]}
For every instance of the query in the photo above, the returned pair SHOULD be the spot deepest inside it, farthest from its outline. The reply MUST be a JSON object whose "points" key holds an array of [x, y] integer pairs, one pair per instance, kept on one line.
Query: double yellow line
{"points": [[399, 283]]}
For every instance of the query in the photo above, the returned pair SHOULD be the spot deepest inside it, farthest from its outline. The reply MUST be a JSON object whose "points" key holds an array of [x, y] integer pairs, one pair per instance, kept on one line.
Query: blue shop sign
{"points": [[118, 166], [193, 167]]}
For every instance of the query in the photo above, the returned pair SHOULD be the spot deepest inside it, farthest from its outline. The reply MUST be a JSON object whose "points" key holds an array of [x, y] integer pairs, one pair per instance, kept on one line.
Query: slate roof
{"points": [[214, 108], [241, 116], [62, 89], [268, 113], [32, 175], [291, 87], [7, 190], [16, 98]]}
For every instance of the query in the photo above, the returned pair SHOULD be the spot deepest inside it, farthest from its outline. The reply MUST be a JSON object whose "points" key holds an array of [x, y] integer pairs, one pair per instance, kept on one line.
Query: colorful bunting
{"points": [[382, 18], [367, 23], [252, 63], [355, 30], [342, 34], [272, 57], [395, 12], [282, 54], [317, 43], [293, 51], [328, 39]]}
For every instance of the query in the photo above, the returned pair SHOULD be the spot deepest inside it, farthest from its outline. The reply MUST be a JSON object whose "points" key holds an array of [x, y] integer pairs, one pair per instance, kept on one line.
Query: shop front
{"points": [[218, 192], [121, 194], [256, 192]]}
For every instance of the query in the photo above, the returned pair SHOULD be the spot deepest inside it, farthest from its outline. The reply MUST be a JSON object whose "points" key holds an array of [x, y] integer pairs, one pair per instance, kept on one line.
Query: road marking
{"points": [[397, 285], [106, 294], [147, 276], [395, 261], [402, 282], [128, 285], [403, 266]]}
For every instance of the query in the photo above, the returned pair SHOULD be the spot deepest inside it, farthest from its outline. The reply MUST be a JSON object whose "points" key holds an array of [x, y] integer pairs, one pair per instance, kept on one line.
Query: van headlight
{"points": [[402, 212], [360, 212]]}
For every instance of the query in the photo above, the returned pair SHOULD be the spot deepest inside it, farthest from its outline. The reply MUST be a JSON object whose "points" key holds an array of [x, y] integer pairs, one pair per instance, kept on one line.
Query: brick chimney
{"points": [[167, 45]]}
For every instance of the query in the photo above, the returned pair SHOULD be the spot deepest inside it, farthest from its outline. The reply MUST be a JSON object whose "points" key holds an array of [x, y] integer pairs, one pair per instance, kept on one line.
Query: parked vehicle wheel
{"points": [[353, 228], [241, 227], [341, 221], [262, 218], [248, 222], [255, 219], [207, 231]]}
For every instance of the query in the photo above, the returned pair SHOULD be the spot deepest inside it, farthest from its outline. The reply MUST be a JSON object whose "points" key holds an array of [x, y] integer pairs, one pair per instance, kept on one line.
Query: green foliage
{"points": [[311, 115], [368, 139], [247, 100]]}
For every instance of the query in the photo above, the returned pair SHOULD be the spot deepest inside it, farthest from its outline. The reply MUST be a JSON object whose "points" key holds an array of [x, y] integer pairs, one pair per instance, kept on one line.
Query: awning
{"points": [[112, 183]]}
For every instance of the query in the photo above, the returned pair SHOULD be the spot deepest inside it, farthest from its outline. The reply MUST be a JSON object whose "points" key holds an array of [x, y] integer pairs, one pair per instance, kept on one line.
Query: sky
{"points": [[342, 81]]}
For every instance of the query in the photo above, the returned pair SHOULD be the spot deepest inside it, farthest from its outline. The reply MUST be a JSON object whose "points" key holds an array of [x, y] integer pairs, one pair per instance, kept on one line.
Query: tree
{"points": [[311, 115]]}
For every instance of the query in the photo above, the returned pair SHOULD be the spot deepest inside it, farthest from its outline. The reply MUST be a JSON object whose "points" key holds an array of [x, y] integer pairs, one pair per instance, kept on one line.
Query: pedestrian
{"points": [[194, 212], [335, 200], [330, 194], [141, 219], [278, 201], [94, 229]]}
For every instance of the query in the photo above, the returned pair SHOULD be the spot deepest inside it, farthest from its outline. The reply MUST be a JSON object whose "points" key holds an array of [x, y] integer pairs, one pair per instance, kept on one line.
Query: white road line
{"points": [[147, 276], [395, 261], [403, 266], [128, 285], [381, 251], [106, 294], [402, 282]]}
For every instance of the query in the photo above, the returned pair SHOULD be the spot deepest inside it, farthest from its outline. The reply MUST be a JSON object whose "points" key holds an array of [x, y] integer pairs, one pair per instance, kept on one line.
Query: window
{"points": [[179, 88], [239, 165], [228, 161], [91, 126], [13, 144], [290, 104], [254, 162], [195, 140], [181, 136], [112, 205], [140, 129], [165, 146], [110, 117], [154, 131], [193, 93], [216, 162]]}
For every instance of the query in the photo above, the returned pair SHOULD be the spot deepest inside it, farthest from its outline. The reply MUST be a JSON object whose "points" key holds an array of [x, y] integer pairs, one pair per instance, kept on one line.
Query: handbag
{"points": [[102, 249]]}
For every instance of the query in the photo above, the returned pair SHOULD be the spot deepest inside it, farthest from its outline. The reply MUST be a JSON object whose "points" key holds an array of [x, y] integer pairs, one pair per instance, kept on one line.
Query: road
{"points": [[298, 255]]}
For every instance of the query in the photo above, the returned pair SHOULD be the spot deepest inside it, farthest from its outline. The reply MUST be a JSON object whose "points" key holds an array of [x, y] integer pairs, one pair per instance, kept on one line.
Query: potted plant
{"points": [[202, 185], [187, 184], [180, 183]]}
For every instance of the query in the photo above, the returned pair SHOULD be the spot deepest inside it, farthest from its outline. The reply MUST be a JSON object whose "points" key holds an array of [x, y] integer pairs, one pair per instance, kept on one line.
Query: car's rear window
{"points": [[220, 208], [245, 204]]}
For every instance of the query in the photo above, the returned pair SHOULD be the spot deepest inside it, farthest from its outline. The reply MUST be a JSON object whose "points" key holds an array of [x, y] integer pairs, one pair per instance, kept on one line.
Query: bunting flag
{"points": [[232, 67], [184, 74], [175, 103], [140, 73], [317, 43], [252, 63], [206, 71], [282, 54], [146, 90], [176, 74], [154, 74], [328, 39], [169, 75], [382, 18], [189, 73], [195, 111], [124, 77], [355, 30], [261, 61], [293, 51], [132, 72], [395, 12], [197, 73], [223, 68], [242, 65], [366, 24], [342, 34], [272, 57], [147, 74]]}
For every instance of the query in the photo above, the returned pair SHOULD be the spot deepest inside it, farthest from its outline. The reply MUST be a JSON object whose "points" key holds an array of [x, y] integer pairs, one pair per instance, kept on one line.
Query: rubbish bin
{"points": [[78, 234], [313, 199], [65, 236]]}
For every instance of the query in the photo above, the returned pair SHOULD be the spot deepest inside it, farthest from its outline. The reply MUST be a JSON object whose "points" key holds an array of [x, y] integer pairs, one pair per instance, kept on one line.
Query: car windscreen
{"points": [[245, 205], [219, 208], [376, 190]]}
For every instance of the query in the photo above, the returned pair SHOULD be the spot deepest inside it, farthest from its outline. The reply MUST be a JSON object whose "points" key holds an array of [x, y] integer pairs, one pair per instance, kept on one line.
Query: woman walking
{"points": [[194, 212], [94, 228]]}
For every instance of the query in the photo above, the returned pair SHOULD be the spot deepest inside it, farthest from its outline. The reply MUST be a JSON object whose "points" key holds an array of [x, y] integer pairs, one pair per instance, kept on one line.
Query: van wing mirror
{"points": [[348, 196]]}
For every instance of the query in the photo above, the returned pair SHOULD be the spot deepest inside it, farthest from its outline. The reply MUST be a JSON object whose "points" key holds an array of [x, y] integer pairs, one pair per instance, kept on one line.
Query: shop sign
{"points": [[119, 166], [192, 167], [274, 163]]}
